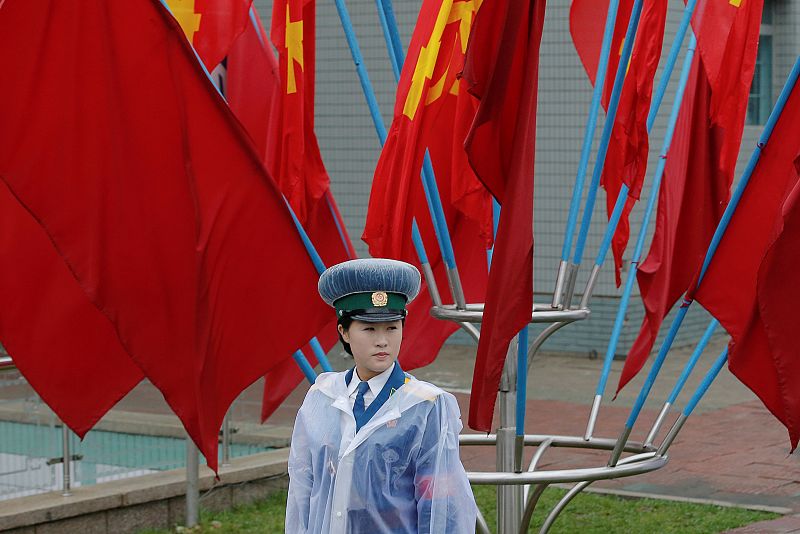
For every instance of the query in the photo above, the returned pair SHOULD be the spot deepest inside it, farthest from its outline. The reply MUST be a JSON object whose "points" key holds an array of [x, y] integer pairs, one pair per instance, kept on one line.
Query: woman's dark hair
{"points": [[346, 322]]}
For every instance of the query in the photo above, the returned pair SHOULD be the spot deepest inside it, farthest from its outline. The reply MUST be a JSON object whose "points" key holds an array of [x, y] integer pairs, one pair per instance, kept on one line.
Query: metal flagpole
{"points": [[591, 196], [586, 149], [631, 275], [715, 240], [192, 483], [396, 56], [380, 129], [676, 390], [711, 375], [655, 107]]}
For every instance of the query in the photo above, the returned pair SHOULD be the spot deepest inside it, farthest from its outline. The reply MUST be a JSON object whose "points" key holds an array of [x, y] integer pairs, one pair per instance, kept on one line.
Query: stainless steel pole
{"points": [[226, 439], [192, 484], [509, 498], [66, 465]]}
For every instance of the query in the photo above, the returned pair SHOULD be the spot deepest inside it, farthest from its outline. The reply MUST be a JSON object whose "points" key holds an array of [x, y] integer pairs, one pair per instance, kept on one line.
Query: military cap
{"points": [[371, 290]]}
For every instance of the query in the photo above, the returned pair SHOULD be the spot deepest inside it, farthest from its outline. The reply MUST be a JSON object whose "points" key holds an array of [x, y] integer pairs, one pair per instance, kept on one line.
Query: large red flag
{"points": [[296, 164], [626, 160], [586, 26], [750, 283], [152, 194], [63, 345], [254, 95], [211, 25], [502, 69], [430, 108], [692, 198], [727, 37], [727, 40]]}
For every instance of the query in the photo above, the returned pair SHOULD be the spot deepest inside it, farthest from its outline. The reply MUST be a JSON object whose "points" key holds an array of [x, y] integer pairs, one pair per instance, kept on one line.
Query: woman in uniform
{"points": [[373, 449]]}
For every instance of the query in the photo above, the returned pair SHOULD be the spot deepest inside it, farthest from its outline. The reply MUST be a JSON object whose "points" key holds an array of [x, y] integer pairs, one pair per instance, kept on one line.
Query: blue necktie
{"points": [[358, 407]]}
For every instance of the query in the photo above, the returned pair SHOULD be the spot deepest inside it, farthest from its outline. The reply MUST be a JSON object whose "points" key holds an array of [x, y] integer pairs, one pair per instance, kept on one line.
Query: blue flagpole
{"points": [[655, 107], [622, 197], [304, 365], [711, 375], [322, 358], [372, 104], [701, 390], [689, 367], [721, 227], [651, 202], [396, 56], [685, 373], [586, 149], [605, 138]]}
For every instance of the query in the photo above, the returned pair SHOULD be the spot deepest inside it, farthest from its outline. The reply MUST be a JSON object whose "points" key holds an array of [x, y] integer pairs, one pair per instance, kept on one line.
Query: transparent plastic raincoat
{"points": [[399, 474]]}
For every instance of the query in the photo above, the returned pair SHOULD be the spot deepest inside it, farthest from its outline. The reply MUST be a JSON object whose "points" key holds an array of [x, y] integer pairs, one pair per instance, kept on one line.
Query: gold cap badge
{"points": [[380, 298]]}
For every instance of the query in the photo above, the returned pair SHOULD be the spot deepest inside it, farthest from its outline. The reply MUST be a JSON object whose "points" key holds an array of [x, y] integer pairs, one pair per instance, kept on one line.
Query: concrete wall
{"points": [[150, 501]]}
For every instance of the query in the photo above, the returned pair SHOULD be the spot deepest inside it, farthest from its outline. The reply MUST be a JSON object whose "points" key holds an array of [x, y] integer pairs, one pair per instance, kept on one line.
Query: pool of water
{"points": [[27, 454]]}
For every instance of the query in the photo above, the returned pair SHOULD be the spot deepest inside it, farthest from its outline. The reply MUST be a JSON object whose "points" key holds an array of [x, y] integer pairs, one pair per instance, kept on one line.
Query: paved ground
{"points": [[731, 450]]}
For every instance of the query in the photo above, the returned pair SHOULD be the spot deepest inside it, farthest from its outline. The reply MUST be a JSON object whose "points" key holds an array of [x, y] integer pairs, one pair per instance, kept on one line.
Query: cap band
{"points": [[378, 300]]}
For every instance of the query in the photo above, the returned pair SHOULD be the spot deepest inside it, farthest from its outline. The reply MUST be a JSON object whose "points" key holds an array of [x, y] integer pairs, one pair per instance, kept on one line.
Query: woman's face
{"points": [[375, 346]]}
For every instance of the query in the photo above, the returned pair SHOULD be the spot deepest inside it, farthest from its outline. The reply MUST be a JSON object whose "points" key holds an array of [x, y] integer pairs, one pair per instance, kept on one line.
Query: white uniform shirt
{"points": [[376, 384]]}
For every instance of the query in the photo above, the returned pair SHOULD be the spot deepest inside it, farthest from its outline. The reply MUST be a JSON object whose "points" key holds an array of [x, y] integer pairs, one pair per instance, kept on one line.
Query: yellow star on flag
{"points": [[294, 47], [183, 11]]}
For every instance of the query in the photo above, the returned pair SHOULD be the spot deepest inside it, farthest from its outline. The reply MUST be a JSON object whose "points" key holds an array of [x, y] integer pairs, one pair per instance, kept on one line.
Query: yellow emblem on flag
{"points": [[294, 47], [736, 3], [183, 11]]}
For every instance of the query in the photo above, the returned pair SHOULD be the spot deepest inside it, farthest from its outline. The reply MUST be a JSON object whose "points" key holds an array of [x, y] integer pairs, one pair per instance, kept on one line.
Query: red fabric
{"points": [[727, 37], [727, 40], [296, 163], [65, 347], [430, 109], [253, 90], [154, 197], [586, 26], [751, 282], [211, 25], [626, 161], [502, 68], [254, 95], [692, 198]]}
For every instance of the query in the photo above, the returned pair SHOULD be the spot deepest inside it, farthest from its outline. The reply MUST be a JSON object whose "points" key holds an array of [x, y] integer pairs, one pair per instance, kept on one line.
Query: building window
{"points": [[760, 103]]}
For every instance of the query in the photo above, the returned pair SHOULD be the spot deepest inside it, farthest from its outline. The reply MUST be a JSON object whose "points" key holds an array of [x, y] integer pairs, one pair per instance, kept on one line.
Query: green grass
{"points": [[588, 513]]}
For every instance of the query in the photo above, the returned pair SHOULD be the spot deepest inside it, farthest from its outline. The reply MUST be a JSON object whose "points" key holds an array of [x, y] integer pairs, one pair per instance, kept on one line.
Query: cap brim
{"points": [[378, 317]]}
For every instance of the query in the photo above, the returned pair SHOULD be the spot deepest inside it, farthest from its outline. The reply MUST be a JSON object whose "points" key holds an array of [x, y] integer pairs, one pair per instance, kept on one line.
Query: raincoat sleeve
{"points": [[445, 503], [301, 478]]}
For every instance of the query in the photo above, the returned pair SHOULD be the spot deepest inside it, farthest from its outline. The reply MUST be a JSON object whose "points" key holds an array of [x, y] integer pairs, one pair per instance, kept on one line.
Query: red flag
{"points": [[64, 346], [153, 196], [586, 26], [296, 164], [750, 283], [254, 95], [727, 37], [252, 85], [502, 68], [211, 25], [692, 198], [626, 161], [727, 40], [429, 111]]}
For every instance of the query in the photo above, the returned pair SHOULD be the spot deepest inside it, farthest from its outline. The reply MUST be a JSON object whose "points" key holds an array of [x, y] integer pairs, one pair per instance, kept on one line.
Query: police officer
{"points": [[373, 449]]}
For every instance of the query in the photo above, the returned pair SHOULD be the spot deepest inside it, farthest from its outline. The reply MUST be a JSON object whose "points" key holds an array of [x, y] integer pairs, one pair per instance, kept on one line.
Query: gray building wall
{"points": [[350, 147]]}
